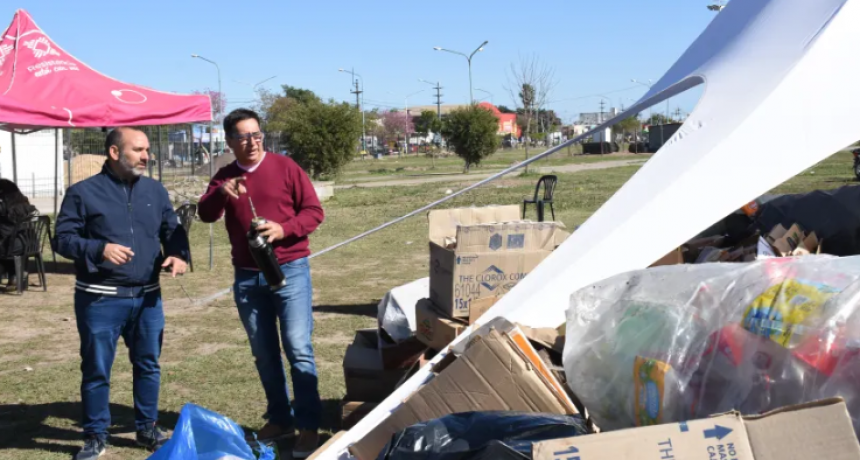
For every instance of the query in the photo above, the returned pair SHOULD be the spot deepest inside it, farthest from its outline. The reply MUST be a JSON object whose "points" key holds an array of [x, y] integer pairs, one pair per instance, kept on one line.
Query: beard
{"points": [[129, 167]]}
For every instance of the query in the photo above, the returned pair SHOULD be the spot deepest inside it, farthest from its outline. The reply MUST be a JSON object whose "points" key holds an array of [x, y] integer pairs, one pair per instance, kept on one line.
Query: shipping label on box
{"points": [[458, 278], [816, 430], [721, 437]]}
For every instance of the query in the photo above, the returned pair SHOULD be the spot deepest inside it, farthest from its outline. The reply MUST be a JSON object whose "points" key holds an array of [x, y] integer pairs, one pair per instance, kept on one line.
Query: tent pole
{"points": [[160, 157], [14, 161], [69, 164], [56, 168]]}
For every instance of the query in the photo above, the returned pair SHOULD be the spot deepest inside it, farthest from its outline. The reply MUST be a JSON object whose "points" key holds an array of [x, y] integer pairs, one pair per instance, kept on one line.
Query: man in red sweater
{"points": [[282, 193]]}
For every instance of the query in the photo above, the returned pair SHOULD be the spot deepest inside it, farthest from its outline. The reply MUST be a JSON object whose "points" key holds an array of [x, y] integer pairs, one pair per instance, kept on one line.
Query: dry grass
{"points": [[206, 358]]}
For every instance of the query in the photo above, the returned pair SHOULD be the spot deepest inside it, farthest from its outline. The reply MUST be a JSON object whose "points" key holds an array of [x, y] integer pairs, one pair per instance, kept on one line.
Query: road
{"points": [[569, 168]]}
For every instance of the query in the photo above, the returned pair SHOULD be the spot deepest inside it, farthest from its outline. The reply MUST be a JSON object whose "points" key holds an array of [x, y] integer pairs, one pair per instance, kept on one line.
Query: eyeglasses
{"points": [[245, 138]]}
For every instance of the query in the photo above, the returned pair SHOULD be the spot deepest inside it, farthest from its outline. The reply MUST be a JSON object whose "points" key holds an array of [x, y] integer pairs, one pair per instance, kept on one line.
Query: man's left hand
{"points": [[178, 266], [272, 230]]}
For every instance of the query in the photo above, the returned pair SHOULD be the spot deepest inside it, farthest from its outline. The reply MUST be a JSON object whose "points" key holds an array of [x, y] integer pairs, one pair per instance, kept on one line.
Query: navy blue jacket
{"points": [[103, 209]]}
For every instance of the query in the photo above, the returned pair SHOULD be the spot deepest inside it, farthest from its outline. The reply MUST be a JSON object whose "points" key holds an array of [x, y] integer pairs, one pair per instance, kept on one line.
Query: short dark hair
{"points": [[115, 137], [233, 118]]}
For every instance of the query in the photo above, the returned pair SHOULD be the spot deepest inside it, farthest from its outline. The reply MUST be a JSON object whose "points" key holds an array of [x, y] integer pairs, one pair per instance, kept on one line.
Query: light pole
{"points": [[485, 91], [360, 108], [717, 6], [406, 128], [469, 59], [211, 143]]}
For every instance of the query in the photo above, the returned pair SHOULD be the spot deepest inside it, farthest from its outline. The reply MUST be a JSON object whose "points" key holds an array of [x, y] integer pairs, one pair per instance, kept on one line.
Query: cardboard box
{"points": [[479, 252], [326, 445], [353, 411], [676, 257], [433, 329], [495, 372], [363, 373], [820, 430], [478, 307], [399, 355]]}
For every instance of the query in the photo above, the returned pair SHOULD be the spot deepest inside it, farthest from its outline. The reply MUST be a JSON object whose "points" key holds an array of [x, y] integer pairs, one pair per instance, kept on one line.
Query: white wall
{"points": [[35, 155]]}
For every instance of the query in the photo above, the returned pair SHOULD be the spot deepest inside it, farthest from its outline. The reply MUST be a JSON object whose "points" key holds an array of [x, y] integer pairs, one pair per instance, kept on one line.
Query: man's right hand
{"points": [[234, 187], [117, 254]]}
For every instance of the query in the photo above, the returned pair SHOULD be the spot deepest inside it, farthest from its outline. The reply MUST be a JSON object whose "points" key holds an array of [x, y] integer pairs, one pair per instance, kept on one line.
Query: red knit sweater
{"points": [[281, 192]]}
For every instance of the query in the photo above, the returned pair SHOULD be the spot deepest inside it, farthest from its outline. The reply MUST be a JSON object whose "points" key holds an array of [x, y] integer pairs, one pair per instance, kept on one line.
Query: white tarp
{"points": [[780, 95], [396, 311]]}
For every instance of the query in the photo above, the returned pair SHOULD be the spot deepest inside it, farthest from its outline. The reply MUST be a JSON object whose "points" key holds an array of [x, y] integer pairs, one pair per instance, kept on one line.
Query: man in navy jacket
{"points": [[113, 226]]}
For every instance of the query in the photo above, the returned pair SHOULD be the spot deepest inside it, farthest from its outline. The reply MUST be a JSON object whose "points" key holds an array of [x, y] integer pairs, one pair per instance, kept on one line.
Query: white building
{"points": [[38, 162]]}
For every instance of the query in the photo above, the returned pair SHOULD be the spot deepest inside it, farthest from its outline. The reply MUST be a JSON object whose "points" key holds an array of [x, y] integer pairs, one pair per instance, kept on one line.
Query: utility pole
{"points": [[603, 134], [438, 89], [357, 92]]}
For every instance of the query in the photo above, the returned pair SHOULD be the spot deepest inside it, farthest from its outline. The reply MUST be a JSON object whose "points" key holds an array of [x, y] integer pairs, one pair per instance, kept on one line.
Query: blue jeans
{"points": [[262, 311], [101, 321]]}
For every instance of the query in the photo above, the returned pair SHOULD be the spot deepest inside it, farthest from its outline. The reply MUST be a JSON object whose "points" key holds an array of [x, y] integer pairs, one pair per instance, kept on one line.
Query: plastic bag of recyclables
{"points": [[683, 342]]}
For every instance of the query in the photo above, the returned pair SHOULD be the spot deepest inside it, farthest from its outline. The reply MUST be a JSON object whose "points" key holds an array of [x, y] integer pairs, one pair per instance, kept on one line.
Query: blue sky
{"points": [[595, 47]]}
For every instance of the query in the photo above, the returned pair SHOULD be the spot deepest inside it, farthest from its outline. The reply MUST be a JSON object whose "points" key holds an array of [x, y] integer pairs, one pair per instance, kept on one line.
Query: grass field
{"points": [[206, 359]]}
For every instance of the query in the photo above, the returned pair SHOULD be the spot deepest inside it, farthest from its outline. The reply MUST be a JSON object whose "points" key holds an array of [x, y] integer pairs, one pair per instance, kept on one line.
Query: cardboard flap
{"points": [[444, 222], [819, 430]]}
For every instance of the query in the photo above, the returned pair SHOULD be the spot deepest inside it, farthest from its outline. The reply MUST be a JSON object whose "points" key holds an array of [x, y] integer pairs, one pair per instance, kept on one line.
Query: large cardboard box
{"points": [[499, 370], [364, 375], [483, 252], [820, 430], [433, 328]]}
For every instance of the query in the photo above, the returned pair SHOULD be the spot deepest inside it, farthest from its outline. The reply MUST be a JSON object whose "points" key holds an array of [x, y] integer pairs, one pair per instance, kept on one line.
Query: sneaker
{"points": [[94, 447], [271, 432], [151, 438], [306, 444]]}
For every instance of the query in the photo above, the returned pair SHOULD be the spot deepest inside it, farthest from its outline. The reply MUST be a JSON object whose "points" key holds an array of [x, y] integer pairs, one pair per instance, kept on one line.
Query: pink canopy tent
{"points": [[43, 86]]}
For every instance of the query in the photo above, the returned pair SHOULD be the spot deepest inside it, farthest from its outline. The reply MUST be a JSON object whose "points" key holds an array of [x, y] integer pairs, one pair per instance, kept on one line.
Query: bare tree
{"points": [[530, 83]]}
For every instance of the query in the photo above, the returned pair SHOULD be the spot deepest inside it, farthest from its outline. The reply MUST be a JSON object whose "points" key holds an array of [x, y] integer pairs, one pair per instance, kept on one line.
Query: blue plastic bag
{"points": [[201, 434]]}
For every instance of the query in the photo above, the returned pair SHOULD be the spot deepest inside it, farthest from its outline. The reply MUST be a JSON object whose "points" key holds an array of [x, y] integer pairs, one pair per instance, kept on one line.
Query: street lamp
{"points": [[211, 142], [469, 59], [255, 85], [485, 91], [360, 108], [717, 6]]}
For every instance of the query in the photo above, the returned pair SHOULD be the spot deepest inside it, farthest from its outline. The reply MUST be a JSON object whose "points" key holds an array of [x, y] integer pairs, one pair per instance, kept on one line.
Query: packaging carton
{"points": [[433, 329], [820, 430], [363, 372], [478, 307], [497, 370], [353, 411], [483, 252]]}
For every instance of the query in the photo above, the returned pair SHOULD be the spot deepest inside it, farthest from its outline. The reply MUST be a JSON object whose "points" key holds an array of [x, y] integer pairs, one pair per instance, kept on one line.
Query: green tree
{"points": [[472, 132], [321, 137], [304, 96], [505, 109], [425, 121], [628, 125]]}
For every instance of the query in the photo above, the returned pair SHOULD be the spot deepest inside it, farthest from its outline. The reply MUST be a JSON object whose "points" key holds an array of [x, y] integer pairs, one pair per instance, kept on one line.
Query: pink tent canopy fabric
{"points": [[41, 85]]}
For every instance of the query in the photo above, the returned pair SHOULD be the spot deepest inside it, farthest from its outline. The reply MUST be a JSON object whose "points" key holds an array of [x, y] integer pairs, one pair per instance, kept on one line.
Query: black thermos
{"points": [[264, 256]]}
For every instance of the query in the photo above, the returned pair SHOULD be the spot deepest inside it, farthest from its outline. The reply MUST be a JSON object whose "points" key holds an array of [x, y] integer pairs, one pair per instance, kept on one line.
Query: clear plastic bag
{"points": [[480, 435], [683, 342], [201, 434]]}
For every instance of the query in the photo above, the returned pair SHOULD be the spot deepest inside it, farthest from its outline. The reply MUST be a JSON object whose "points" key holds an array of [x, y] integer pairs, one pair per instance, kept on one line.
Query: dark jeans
{"points": [[262, 311], [101, 321]]}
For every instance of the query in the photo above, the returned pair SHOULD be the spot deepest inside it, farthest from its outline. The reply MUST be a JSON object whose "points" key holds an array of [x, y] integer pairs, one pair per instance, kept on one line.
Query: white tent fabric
{"points": [[780, 95]]}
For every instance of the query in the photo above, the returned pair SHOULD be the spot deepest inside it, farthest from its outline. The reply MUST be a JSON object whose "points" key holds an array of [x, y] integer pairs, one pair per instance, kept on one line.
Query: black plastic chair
{"points": [[31, 233], [186, 214], [50, 236], [539, 202]]}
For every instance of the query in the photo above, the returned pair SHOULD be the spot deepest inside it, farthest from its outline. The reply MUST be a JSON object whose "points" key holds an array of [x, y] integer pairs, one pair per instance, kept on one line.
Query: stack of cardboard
{"points": [[372, 370], [501, 367], [477, 255], [779, 242]]}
